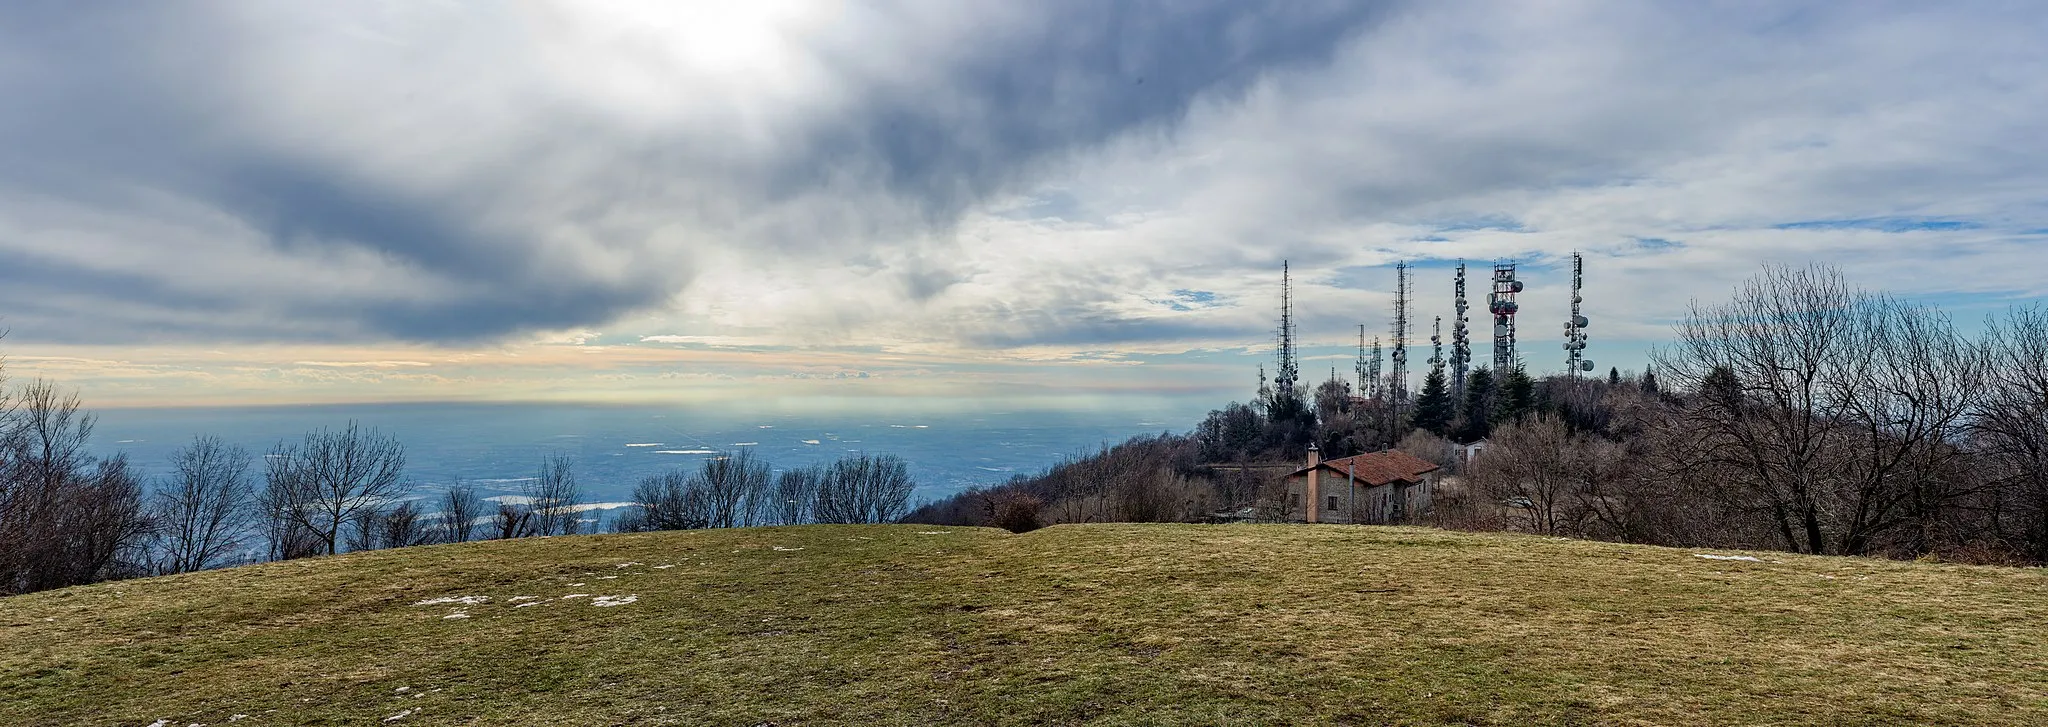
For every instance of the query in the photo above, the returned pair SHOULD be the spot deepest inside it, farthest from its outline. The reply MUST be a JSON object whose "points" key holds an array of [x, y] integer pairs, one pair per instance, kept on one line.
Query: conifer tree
{"points": [[1516, 396], [1613, 376], [1477, 421], [1433, 408]]}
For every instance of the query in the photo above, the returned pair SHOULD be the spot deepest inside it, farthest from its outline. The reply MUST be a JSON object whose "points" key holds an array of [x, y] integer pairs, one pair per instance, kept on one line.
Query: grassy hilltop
{"points": [[1110, 624]]}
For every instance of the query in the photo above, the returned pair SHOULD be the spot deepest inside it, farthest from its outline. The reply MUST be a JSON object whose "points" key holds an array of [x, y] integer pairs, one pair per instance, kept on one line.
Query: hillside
{"points": [[1113, 624]]}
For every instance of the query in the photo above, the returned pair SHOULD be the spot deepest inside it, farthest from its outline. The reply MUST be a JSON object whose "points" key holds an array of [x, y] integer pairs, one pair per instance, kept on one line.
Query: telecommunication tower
{"points": [[1461, 341], [1373, 368], [1397, 385], [1436, 342], [1285, 378], [1501, 302], [1575, 326], [1360, 366]]}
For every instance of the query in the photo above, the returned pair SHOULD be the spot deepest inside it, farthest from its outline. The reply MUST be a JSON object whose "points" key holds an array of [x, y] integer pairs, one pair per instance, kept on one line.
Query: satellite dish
{"points": [[1515, 286], [1579, 321], [1500, 330], [1586, 365]]}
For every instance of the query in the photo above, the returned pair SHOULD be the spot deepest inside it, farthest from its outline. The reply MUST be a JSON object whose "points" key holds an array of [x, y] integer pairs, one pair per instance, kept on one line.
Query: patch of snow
{"points": [[160, 723], [665, 567], [457, 614], [609, 601], [399, 716], [626, 565], [402, 690], [516, 599], [464, 600], [607, 578], [237, 717], [1710, 556], [933, 532], [779, 548], [573, 585], [574, 595], [529, 603]]}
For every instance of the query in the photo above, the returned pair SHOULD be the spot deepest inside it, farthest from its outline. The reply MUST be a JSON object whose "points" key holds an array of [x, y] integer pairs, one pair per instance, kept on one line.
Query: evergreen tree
{"points": [[1433, 408], [1477, 422], [1516, 398], [1613, 376], [1649, 381]]}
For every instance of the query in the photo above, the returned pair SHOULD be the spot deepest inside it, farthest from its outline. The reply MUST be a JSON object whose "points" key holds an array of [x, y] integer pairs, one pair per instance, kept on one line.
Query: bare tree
{"points": [[511, 521], [796, 491], [668, 501], [325, 481], [204, 509], [864, 489], [65, 518], [405, 526], [734, 485], [554, 496], [2012, 425], [460, 509]]}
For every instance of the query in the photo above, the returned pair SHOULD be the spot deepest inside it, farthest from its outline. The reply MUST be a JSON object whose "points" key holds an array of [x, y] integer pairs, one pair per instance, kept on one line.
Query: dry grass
{"points": [[1073, 624]]}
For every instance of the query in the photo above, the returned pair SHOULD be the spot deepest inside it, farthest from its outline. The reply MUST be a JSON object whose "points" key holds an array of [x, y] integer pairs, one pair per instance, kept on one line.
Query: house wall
{"points": [[1363, 504]]}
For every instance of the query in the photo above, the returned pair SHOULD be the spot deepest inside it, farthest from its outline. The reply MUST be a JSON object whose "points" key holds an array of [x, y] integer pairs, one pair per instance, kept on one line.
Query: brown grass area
{"points": [[1108, 624]]}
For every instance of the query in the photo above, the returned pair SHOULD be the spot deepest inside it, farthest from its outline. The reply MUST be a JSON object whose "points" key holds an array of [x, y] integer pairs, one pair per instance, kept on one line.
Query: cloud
{"points": [[463, 171], [1051, 179]]}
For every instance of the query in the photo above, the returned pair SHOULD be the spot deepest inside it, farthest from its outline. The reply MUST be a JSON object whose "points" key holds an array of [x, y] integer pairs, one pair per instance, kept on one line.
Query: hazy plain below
{"points": [[496, 446]]}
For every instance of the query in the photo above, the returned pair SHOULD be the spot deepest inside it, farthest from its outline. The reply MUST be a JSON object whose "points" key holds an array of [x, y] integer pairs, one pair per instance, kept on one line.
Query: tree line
{"points": [[1807, 415], [69, 518], [1802, 414]]}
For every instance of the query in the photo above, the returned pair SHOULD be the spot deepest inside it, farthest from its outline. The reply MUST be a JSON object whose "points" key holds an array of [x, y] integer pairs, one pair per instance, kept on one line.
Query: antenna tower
{"points": [[1501, 302], [1398, 381], [1373, 369], [1360, 366], [1461, 341], [1285, 378], [1575, 326], [1436, 342]]}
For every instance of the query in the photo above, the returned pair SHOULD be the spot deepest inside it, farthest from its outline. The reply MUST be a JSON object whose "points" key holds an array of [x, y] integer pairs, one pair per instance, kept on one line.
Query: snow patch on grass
{"points": [[781, 549], [399, 716], [1710, 556], [464, 600], [457, 614], [609, 601]]}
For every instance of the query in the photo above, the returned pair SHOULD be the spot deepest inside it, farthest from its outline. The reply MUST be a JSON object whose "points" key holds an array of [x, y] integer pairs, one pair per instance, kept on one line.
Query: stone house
{"points": [[1378, 488]]}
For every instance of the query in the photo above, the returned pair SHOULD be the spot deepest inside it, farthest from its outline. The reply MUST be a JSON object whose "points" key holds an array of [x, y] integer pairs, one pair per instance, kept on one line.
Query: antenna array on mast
{"points": [[1461, 341], [1501, 302], [1575, 326], [1285, 379], [1397, 383]]}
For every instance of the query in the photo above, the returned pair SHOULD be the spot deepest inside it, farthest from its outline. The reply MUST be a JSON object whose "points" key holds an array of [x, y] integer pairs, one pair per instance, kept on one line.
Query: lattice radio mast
{"points": [[1501, 302], [1289, 373], [1461, 341], [1575, 326], [1436, 342], [1398, 381]]}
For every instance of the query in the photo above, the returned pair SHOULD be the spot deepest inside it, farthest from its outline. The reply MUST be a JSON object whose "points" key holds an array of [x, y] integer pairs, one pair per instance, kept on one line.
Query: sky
{"points": [[1063, 202]]}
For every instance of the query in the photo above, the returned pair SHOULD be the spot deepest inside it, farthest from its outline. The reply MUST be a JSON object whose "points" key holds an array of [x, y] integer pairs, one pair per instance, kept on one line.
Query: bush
{"points": [[1014, 512]]}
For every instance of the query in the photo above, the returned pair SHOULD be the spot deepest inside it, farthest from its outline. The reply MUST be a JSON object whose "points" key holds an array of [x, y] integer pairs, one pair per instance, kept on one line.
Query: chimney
{"points": [[1315, 457]]}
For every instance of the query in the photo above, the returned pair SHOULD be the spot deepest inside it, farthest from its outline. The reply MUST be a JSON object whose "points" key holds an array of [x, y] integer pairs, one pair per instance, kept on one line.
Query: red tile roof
{"points": [[1378, 468]]}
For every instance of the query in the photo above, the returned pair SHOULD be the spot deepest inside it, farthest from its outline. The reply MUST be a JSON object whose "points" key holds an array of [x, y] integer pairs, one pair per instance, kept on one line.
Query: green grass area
{"points": [[1105, 624]]}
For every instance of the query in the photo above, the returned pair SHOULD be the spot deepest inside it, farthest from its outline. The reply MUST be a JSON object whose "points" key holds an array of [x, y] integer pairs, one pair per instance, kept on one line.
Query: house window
{"points": [[1294, 501], [1333, 503]]}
